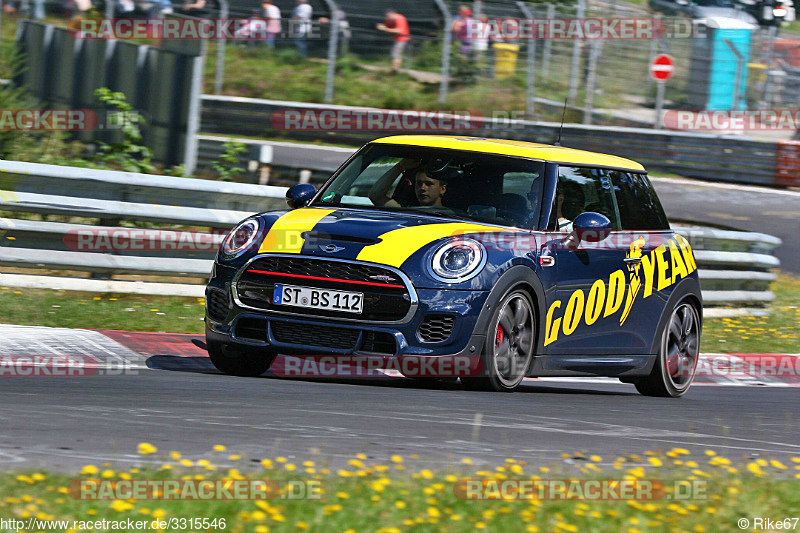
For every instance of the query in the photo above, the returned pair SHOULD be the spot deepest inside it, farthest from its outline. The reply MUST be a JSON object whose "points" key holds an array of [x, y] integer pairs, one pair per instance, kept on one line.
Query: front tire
{"points": [[510, 341], [237, 362], [673, 371]]}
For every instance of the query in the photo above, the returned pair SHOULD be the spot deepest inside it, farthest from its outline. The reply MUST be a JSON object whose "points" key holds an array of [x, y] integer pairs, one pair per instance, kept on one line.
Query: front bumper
{"points": [[230, 323]]}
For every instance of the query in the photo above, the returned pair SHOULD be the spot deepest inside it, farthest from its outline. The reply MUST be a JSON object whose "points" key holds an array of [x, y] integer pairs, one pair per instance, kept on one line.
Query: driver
{"points": [[429, 191]]}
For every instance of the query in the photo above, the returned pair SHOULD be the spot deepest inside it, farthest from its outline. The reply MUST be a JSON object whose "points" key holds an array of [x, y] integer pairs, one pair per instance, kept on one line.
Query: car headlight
{"points": [[458, 260], [240, 238]]}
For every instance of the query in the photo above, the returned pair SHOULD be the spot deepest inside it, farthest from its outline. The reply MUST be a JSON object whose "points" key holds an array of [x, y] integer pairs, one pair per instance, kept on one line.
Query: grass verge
{"points": [[778, 332], [402, 495]]}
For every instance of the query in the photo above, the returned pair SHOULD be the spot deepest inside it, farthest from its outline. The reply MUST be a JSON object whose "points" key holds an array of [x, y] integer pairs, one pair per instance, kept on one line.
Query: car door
{"points": [[590, 310]]}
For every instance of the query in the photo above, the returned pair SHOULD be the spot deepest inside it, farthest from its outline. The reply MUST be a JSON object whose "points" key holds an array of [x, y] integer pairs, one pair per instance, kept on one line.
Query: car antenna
{"points": [[561, 128]]}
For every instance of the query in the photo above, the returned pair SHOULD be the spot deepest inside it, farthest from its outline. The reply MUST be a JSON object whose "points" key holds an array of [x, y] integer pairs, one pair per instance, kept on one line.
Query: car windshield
{"points": [[465, 185]]}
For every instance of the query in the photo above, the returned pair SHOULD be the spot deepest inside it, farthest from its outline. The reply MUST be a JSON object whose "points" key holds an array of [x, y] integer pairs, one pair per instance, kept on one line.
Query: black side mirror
{"points": [[591, 226], [300, 195]]}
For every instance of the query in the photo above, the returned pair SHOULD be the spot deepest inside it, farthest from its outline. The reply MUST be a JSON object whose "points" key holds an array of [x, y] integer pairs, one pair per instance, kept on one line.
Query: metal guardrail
{"points": [[706, 156], [734, 267]]}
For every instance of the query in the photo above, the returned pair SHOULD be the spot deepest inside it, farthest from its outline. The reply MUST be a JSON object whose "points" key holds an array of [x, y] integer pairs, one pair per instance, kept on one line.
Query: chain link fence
{"points": [[604, 81]]}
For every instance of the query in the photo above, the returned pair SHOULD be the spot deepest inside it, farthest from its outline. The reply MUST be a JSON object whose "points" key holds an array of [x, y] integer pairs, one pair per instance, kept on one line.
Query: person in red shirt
{"points": [[396, 24]]}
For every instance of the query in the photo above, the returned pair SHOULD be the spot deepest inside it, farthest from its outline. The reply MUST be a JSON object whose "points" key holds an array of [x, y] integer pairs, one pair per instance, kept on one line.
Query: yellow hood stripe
{"points": [[398, 245], [285, 236]]}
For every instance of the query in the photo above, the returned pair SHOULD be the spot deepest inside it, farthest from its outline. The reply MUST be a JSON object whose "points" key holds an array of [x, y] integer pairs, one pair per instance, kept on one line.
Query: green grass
{"points": [[778, 332], [403, 495], [38, 307]]}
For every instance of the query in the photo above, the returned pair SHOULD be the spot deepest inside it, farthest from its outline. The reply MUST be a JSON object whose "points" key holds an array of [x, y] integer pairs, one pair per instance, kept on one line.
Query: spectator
{"points": [[480, 40], [397, 25], [301, 25], [344, 31], [272, 14], [201, 8], [461, 30]]}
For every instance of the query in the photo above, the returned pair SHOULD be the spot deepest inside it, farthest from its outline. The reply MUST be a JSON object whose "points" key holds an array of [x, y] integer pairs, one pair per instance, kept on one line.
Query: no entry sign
{"points": [[662, 67]]}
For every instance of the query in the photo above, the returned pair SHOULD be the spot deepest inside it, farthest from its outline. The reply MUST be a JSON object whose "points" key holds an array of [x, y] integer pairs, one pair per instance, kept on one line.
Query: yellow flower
{"points": [[466, 461], [655, 461], [234, 457], [434, 512], [120, 505], [107, 474], [397, 459], [175, 455], [219, 448], [400, 504], [342, 495], [90, 470], [301, 525], [267, 463], [145, 448], [426, 474]]}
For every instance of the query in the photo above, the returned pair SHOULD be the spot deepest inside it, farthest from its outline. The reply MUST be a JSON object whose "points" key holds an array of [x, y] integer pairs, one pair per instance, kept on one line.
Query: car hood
{"points": [[381, 237]]}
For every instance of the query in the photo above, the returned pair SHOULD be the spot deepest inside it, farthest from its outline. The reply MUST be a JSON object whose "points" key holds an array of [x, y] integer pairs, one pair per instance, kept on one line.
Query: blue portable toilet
{"points": [[713, 73]]}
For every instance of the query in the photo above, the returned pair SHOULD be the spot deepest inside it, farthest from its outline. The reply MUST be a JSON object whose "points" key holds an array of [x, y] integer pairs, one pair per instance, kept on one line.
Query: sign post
{"points": [[661, 69]]}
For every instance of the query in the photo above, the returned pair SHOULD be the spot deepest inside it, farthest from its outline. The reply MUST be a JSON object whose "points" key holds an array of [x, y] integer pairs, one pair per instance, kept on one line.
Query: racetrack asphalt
{"points": [[740, 207], [180, 403]]}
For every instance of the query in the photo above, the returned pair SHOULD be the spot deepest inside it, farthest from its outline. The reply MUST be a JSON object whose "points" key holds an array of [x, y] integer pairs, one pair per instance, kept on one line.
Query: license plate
{"points": [[350, 302]]}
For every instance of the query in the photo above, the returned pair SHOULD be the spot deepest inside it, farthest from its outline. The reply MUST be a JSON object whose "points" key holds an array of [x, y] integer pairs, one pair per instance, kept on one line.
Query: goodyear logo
{"points": [[658, 269]]}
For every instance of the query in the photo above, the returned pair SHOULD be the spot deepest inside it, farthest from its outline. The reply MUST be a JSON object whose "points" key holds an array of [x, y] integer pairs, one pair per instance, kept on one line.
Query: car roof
{"points": [[545, 152]]}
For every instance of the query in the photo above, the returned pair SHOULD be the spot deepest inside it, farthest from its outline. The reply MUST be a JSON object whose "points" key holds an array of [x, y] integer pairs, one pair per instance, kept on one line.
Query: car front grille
{"points": [[322, 336], [254, 329], [436, 328], [386, 296], [217, 304]]}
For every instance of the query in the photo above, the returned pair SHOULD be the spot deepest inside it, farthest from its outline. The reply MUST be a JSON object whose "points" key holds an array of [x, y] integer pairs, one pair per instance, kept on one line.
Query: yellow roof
{"points": [[545, 152]]}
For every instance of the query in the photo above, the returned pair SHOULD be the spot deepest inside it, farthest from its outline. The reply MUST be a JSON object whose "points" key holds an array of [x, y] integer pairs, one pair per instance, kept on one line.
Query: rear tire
{"points": [[510, 342], [674, 369], [238, 362]]}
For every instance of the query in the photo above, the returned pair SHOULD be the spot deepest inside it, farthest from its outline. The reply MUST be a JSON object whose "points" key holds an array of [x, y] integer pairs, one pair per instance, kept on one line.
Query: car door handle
{"points": [[636, 260]]}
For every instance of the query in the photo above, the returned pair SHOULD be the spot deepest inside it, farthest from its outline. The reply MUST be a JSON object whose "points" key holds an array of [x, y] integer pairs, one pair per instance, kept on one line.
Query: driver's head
{"points": [[429, 191]]}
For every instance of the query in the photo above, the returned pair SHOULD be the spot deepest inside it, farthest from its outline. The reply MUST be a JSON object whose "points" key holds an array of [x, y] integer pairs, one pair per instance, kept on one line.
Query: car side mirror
{"points": [[300, 195], [591, 227]]}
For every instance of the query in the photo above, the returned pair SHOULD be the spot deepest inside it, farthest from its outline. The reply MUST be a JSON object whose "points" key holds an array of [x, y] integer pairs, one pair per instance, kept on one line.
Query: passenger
{"points": [[428, 191]]}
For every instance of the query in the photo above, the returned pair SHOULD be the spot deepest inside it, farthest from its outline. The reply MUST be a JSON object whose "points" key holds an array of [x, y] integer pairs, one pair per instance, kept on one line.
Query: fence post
{"points": [[576, 57], [219, 74], [548, 42], [193, 120], [738, 83], [591, 82], [333, 47], [446, 46], [530, 98]]}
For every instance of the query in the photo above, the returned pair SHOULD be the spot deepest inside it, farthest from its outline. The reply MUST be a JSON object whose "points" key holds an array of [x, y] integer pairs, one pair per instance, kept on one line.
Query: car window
{"points": [[639, 208], [482, 187], [582, 189]]}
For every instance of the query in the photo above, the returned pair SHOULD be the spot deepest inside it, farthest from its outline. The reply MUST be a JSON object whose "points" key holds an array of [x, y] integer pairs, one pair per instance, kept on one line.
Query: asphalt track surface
{"points": [[173, 398], [739, 207], [181, 403]]}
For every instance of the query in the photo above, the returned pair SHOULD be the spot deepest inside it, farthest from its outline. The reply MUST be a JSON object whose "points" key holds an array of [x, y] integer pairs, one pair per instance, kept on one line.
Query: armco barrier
{"points": [[734, 267], [698, 155]]}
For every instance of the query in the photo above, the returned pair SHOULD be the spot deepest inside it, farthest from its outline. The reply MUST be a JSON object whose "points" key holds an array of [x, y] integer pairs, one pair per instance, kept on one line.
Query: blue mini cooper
{"points": [[534, 260]]}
